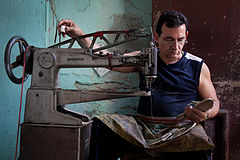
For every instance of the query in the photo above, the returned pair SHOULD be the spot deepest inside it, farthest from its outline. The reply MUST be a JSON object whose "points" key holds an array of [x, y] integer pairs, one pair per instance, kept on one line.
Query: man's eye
{"points": [[181, 41], [169, 40]]}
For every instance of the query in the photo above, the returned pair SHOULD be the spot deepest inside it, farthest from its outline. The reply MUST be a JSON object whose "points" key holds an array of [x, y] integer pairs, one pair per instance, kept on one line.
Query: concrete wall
{"points": [[36, 22], [214, 35]]}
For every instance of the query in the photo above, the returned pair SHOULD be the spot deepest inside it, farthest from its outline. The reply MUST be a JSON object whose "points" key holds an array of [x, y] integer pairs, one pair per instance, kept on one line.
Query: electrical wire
{"points": [[57, 19], [20, 108], [151, 104], [54, 12]]}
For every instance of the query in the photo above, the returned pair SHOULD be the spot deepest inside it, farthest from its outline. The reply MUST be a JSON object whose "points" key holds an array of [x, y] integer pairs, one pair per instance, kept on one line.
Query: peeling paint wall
{"points": [[101, 15], [36, 22], [214, 28]]}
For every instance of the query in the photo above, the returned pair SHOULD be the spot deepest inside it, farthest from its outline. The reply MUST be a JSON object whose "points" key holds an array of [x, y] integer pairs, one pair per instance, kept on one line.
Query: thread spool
{"points": [[62, 30]]}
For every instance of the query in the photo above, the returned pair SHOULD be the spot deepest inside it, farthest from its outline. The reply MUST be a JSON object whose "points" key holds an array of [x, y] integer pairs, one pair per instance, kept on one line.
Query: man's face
{"points": [[171, 41]]}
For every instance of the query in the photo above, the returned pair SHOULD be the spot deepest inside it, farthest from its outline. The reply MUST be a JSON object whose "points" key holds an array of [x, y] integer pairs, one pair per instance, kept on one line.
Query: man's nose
{"points": [[175, 45]]}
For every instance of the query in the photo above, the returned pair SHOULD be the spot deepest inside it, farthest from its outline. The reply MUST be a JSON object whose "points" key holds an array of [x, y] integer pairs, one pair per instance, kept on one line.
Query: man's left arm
{"points": [[206, 90]]}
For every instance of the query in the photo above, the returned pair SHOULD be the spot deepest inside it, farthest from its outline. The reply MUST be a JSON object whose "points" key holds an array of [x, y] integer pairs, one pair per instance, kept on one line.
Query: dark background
{"points": [[214, 35]]}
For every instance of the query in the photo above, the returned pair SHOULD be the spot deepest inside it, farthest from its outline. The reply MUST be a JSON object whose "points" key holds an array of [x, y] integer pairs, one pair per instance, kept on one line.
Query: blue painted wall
{"points": [[25, 18], [35, 21]]}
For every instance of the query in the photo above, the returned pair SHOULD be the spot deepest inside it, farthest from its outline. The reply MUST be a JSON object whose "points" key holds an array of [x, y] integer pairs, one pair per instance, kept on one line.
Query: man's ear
{"points": [[156, 37], [187, 33]]}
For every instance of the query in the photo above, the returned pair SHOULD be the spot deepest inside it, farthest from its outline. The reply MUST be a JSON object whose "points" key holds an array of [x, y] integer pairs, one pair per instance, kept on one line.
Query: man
{"points": [[182, 78]]}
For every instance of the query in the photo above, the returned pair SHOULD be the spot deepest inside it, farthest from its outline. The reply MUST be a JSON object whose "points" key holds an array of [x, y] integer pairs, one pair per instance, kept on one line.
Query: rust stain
{"points": [[228, 91]]}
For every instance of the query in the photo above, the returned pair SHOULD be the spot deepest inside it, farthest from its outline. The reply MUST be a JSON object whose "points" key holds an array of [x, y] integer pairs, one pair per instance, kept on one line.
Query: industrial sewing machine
{"points": [[49, 130]]}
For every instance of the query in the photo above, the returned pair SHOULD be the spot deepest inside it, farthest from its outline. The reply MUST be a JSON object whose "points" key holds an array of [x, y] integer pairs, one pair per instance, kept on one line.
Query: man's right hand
{"points": [[71, 29]]}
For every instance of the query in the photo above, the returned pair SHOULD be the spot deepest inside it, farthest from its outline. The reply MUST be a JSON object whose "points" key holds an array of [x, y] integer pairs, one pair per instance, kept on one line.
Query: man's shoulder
{"points": [[193, 57]]}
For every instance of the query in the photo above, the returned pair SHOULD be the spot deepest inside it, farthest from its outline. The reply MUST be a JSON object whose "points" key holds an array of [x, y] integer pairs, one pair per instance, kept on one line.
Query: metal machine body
{"points": [[49, 130], [47, 63]]}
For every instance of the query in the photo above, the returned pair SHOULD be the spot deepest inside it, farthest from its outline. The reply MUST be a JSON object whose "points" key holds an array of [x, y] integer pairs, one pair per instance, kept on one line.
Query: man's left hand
{"points": [[195, 114]]}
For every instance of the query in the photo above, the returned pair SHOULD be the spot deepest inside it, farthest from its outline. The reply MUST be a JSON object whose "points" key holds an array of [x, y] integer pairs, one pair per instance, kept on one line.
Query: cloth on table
{"points": [[143, 134]]}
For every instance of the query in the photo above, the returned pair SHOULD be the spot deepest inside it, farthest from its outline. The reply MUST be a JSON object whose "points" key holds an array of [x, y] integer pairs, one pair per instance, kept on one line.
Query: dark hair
{"points": [[172, 19]]}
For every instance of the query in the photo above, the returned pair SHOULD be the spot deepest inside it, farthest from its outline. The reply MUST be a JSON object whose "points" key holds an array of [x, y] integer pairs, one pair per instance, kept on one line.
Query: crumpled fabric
{"points": [[136, 132]]}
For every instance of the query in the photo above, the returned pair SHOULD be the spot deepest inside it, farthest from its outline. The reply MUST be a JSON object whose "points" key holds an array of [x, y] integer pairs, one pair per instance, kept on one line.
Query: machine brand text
{"points": [[75, 59]]}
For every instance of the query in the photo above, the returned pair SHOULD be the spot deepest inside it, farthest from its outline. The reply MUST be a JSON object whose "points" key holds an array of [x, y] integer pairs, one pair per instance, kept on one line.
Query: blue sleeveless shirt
{"points": [[175, 86]]}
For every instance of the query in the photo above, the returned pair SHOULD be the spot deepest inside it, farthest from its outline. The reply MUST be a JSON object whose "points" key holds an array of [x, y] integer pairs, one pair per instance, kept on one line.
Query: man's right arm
{"points": [[73, 30]]}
